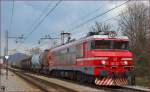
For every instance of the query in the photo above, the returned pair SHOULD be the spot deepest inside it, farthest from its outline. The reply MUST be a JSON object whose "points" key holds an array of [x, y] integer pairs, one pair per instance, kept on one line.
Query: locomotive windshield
{"points": [[109, 44]]}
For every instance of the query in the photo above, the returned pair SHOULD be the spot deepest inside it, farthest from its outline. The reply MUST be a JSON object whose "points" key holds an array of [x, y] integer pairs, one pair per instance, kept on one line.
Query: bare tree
{"points": [[149, 57], [148, 45], [99, 27], [134, 24]]}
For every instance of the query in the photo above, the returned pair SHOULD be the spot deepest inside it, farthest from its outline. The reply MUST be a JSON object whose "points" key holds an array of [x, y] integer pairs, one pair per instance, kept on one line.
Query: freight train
{"points": [[101, 59]]}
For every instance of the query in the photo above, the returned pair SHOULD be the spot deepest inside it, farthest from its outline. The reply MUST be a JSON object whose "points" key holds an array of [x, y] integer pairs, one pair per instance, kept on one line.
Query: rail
{"points": [[42, 84]]}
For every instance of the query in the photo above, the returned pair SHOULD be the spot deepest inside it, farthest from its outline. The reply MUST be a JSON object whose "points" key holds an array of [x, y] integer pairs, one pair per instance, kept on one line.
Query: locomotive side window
{"points": [[72, 49], [109, 44], [120, 45], [79, 50], [90, 45], [72, 55], [102, 44]]}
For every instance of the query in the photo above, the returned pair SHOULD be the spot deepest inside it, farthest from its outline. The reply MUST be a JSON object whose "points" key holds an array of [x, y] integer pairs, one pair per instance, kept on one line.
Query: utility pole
{"points": [[6, 49], [63, 35], [6, 43], [6, 53], [0, 59]]}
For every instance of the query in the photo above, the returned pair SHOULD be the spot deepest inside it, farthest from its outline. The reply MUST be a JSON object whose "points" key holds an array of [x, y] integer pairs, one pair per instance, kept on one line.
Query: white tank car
{"points": [[36, 66]]}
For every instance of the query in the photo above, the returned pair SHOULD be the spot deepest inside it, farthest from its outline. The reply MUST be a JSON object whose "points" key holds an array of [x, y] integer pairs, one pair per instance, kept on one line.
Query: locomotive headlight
{"points": [[103, 62], [125, 62]]}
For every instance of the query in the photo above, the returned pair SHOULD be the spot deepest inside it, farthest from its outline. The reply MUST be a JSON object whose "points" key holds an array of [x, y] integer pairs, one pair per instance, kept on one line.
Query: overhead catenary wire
{"points": [[99, 15], [104, 21], [85, 16], [83, 33], [40, 22], [103, 14], [44, 43], [39, 17], [95, 17]]}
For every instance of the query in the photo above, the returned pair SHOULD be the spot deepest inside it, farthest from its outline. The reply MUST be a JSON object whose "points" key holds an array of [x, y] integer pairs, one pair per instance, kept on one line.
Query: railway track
{"points": [[42, 84], [117, 88], [113, 88], [49, 86]]}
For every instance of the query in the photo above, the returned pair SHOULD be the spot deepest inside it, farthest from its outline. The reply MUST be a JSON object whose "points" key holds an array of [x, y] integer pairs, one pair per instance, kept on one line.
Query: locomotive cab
{"points": [[113, 53]]}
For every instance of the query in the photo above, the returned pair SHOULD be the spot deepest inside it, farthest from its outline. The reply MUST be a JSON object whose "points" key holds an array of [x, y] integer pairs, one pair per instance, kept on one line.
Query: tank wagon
{"points": [[44, 61], [35, 63], [102, 59], [16, 59], [26, 63]]}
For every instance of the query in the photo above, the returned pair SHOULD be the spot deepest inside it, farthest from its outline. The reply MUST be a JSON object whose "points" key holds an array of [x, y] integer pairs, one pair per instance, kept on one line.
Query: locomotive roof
{"points": [[107, 37], [85, 39]]}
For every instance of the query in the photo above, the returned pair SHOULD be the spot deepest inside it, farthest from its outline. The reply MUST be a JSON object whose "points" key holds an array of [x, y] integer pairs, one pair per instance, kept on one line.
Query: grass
{"points": [[142, 81]]}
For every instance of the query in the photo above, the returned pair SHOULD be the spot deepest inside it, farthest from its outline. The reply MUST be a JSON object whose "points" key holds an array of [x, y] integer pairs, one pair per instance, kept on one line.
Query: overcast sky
{"points": [[67, 15]]}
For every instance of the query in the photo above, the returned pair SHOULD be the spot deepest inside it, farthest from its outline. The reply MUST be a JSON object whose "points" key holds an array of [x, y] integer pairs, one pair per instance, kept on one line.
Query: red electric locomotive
{"points": [[102, 59]]}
